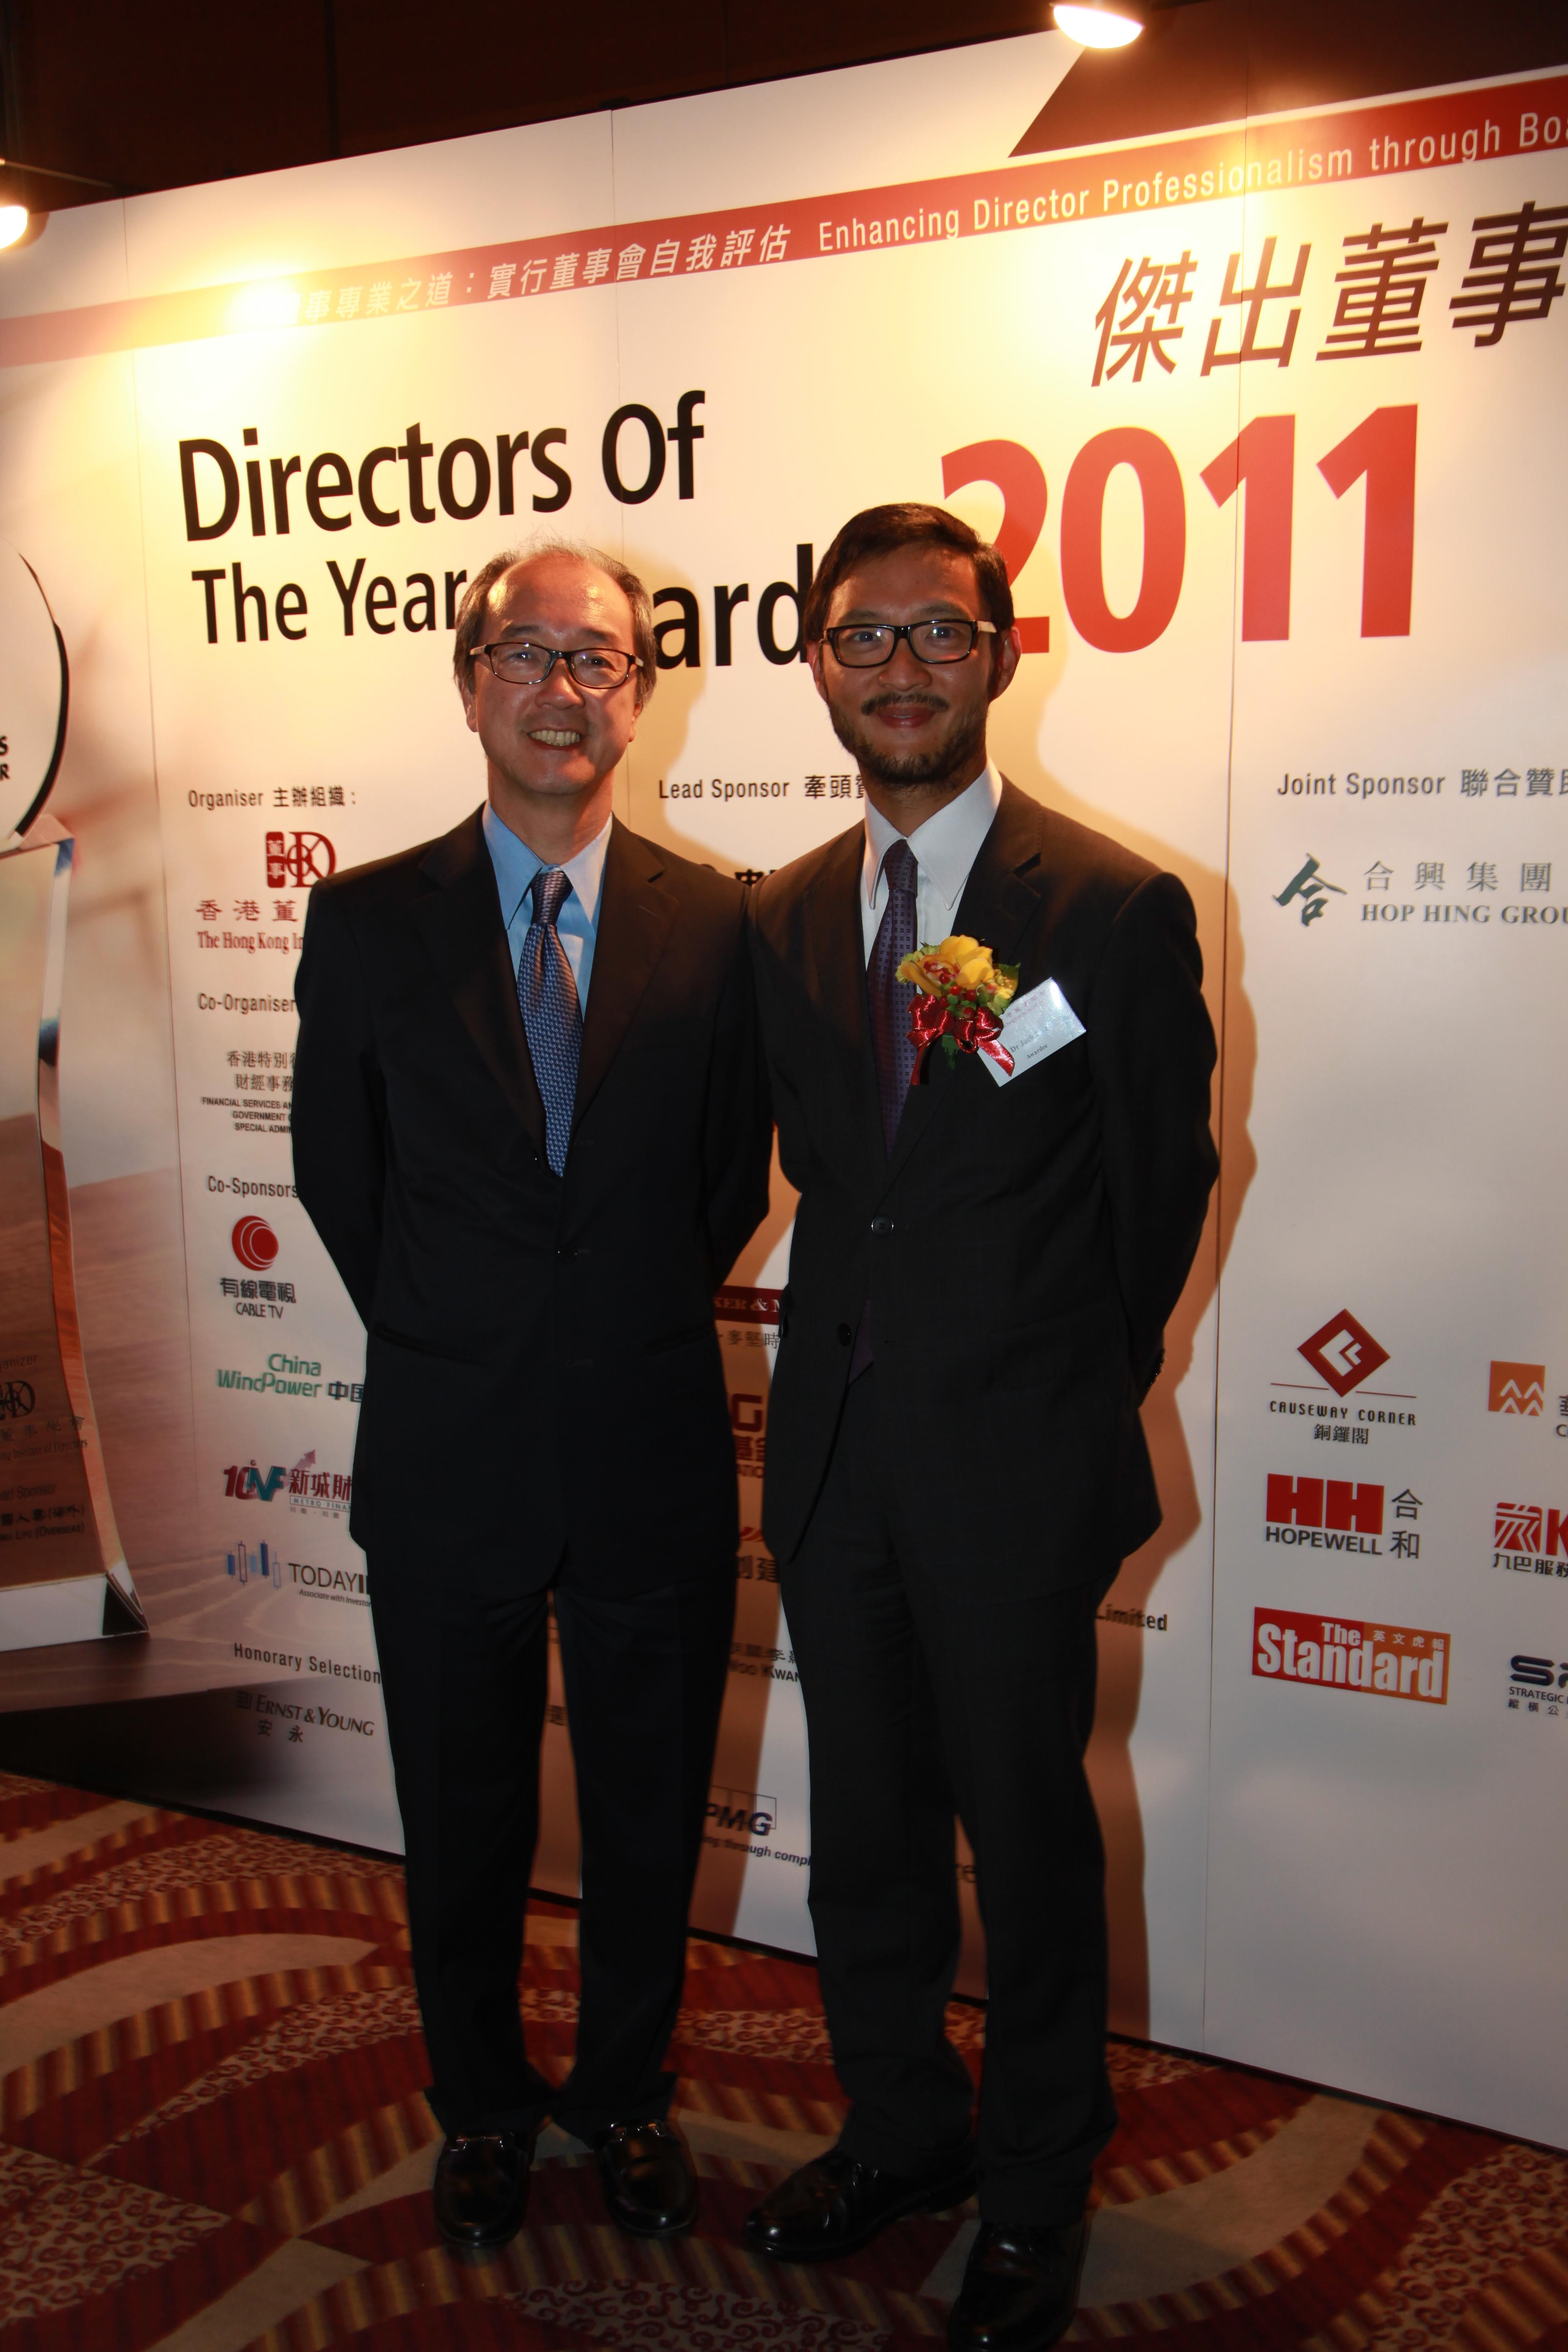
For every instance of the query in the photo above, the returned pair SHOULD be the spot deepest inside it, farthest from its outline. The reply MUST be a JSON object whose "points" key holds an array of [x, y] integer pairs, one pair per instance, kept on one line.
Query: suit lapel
{"points": [[835, 970], [998, 906], [636, 918], [462, 924]]}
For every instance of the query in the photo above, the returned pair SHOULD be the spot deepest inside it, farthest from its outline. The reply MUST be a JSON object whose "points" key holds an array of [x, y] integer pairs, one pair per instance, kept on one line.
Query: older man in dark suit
{"points": [[530, 1127], [983, 1265]]}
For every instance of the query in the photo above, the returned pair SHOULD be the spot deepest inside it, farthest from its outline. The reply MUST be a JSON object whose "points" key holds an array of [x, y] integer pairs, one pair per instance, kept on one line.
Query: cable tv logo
{"points": [[254, 1243], [1344, 1352], [1325, 1514]]}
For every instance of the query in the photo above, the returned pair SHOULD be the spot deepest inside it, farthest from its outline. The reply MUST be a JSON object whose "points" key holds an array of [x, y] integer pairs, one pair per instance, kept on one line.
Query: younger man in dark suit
{"points": [[531, 1128], [979, 1281]]}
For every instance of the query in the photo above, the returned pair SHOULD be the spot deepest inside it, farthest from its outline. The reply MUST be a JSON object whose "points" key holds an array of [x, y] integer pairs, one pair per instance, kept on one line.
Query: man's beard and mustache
{"points": [[955, 750]]}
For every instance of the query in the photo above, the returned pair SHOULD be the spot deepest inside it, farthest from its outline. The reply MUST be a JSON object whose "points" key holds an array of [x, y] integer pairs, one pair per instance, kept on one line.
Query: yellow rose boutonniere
{"points": [[964, 992]]}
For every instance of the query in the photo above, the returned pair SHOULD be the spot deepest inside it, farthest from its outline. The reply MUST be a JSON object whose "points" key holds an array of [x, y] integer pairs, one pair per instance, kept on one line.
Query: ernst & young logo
{"points": [[1324, 1514], [1516, 1387], [1384, 1661], [1529, 1540]]}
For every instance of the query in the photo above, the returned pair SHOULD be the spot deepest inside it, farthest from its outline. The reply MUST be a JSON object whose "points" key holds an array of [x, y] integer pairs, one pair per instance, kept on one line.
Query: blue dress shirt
{"points": [[515, 867]]}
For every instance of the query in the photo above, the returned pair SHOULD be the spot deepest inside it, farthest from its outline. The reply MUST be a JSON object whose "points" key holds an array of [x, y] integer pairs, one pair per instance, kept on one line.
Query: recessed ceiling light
{"points": [[12, 224], [1097, 24]]}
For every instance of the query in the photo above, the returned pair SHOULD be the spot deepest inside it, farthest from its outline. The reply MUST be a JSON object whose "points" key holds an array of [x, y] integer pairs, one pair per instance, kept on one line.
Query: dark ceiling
{"points": [[159, 94]]}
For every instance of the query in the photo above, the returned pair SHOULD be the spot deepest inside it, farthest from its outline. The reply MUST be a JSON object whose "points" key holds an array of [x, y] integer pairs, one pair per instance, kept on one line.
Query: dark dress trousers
{"points": [[947, 1525], [544, 1414]]}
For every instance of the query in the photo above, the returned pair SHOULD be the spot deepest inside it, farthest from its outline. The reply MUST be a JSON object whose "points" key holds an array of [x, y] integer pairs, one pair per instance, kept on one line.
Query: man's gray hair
{"points": [[474, 611]]}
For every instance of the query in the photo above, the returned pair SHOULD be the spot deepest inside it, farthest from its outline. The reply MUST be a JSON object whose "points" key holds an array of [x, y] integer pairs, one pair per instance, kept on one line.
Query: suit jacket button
{"points": [[845, 1335], [881, 1224]]}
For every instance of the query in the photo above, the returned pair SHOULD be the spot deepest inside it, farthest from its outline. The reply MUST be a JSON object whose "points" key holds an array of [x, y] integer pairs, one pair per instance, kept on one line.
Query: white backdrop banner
{"points": [[1266, 420]]}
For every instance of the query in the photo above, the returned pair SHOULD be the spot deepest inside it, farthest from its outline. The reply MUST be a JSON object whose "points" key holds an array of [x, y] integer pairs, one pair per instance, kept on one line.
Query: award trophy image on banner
{"points": [[63, 1576]]}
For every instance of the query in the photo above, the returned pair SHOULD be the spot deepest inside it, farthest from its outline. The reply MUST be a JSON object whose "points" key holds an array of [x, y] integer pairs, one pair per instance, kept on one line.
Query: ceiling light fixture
{"points": [[12, 224], [1097, 24]]}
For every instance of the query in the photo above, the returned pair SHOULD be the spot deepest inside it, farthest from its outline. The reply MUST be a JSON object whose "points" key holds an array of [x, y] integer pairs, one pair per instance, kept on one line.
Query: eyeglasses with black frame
{"points": [[870, 645], [597, 669]]}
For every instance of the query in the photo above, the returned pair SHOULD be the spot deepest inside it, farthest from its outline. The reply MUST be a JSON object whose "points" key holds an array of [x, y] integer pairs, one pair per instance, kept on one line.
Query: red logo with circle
{"points": [[255, 1243]]}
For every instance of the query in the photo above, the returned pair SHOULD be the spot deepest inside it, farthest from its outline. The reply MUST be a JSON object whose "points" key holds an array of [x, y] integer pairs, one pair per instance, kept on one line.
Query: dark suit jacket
{"points": [[1024, 1244], [542, 1367]]}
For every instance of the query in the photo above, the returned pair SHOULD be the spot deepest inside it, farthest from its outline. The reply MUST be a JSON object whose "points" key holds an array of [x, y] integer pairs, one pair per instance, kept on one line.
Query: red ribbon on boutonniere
{"points": [[979, 1032], [963, 993]]}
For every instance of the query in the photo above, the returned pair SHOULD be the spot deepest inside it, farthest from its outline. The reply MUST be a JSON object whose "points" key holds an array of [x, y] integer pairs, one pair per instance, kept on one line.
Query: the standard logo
{"points": [[1325, 1514], [295, 860], [1344, 1352], [1531, 1540], [1384, 1661], [255, 1244], [1516, 1387], [1537, 1686]]}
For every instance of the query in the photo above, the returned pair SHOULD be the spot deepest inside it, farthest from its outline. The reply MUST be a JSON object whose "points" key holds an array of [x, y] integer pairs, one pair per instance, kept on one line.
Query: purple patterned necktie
{"points": [[892, 1048], [551, 1012]]}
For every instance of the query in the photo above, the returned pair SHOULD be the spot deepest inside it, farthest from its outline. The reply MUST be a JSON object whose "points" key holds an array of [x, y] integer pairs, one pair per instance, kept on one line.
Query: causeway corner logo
{"points": [[1344, 1352], [1326, 1514], [1516, 1387], [1308, 890], [1384, 1661]]}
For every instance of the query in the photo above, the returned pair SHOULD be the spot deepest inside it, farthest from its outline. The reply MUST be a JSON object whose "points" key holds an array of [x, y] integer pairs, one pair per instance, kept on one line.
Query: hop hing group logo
{"points": [[1382, 1660]]}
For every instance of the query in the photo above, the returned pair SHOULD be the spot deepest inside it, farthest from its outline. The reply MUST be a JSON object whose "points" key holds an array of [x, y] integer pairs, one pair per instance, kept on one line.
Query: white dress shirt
{"points": [[945, 848], [578, 922]]}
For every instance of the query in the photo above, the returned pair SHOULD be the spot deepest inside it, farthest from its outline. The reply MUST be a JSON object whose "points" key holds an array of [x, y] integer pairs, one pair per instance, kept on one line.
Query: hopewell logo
{"points": [[1385, 1661], [255, 1244], [1344, 1352], [1516, 1387], [1326, 1514]]}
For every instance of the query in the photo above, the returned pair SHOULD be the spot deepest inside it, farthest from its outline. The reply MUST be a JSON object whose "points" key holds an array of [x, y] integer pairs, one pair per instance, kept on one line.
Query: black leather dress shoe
{"points": [[835, 2204], [481, 2189], [1020, 2289], [649, 2187]]}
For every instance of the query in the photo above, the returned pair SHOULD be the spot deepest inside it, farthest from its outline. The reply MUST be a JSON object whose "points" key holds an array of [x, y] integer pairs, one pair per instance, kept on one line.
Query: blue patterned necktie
{"points": [[892, 1048], [551, 1012]]}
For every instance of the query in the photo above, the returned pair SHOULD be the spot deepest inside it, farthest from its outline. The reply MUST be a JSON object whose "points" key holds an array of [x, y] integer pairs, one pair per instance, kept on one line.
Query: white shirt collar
{"points": [[516, 866], [945, 846]]}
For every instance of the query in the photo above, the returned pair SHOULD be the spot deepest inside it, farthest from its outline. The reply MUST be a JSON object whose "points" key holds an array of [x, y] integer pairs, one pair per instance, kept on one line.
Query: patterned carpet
{"points": [[212, 2136]]}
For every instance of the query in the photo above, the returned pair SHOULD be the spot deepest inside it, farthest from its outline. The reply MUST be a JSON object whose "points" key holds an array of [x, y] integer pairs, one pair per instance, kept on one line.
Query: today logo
{"points": [[1385, 1661]]}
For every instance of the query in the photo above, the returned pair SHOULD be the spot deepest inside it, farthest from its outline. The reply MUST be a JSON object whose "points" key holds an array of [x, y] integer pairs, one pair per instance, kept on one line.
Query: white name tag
{"points": [[1034, 1028]]}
